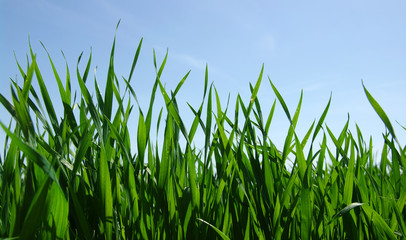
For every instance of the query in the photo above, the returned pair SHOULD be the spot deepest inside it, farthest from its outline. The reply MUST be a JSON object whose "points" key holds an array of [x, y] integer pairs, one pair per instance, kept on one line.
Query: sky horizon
{"points": [[322, 48]]}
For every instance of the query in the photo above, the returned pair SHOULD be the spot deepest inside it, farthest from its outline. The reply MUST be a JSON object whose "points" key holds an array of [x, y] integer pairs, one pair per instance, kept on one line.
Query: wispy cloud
{"points": [[390, 84], [191, 60], [200, 64], [313, 87], [267, 43], [117, 11]]}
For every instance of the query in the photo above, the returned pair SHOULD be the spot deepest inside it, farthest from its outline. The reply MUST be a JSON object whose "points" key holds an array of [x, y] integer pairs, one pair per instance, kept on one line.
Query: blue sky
{"points": [[321, 47]]}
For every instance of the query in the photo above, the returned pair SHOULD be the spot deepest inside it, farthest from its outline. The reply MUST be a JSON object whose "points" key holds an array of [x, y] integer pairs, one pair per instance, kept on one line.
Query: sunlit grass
{"points": [[74, 177]]}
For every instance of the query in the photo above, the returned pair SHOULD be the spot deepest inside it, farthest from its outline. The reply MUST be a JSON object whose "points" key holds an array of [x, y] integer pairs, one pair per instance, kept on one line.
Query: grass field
{"points": [[74, 176]]}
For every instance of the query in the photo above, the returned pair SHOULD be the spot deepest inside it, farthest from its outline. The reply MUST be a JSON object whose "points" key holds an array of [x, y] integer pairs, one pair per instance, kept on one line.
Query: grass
{"points": [[75, 176]]}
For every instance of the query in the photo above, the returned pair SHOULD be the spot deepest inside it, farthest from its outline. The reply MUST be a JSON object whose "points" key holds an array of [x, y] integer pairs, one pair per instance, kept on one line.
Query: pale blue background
{"points": [[318, 46]]}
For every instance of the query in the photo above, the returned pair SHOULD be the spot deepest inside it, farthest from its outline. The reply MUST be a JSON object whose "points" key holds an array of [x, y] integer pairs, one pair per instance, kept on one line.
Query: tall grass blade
{"points": [[137, 53], [378, 109]]}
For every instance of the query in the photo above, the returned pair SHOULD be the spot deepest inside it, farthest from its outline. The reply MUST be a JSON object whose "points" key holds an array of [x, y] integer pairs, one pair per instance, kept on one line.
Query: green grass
{"points": [[74, 176]]}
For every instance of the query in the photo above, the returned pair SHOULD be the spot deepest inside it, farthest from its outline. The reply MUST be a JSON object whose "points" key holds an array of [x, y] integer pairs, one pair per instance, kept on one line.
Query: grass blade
{"points": [[378, 109], [222, 235]]}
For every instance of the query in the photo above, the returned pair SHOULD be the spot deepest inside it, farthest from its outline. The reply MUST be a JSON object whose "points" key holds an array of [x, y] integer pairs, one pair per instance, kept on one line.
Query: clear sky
{"points": [[321, 47]]}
